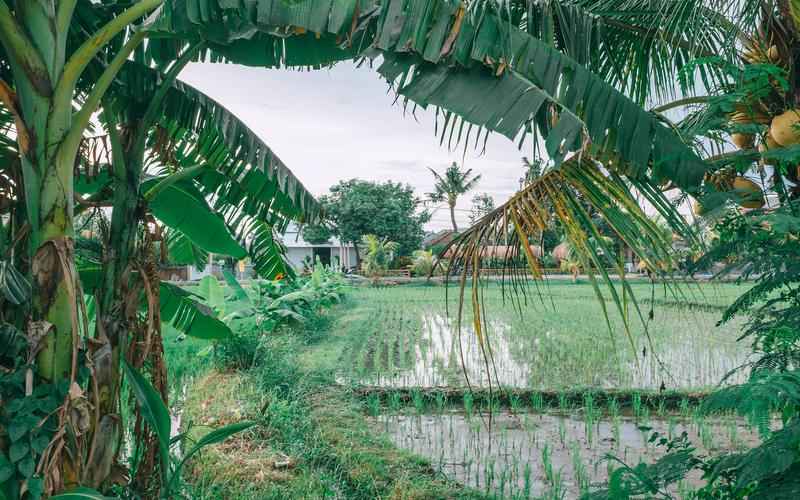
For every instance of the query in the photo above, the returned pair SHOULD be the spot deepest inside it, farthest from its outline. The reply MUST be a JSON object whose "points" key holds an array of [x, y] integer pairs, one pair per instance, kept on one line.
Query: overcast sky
{"points": [[337, 124]]}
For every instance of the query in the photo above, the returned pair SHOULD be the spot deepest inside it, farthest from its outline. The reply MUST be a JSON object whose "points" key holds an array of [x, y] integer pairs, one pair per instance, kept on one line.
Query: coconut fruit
{"points": [[784, 128], [749, 193], [743, 141], [773, 55], [745, 113]]}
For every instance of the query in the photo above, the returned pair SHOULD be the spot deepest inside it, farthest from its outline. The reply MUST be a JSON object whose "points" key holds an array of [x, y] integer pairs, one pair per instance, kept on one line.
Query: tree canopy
{"points": [[388, 210]]}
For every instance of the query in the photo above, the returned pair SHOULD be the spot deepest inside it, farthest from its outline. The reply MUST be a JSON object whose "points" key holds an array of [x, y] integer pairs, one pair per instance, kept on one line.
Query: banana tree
{"points": [[45, 74]]}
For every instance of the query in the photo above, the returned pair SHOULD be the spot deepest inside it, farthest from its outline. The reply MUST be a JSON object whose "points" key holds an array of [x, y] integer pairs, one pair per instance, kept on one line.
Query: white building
{"points": [[332, 252]]}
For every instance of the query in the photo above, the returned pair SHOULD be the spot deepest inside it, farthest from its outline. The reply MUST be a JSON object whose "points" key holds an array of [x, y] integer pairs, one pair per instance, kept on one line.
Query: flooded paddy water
{"points": [[406, 342], [530, 455]]}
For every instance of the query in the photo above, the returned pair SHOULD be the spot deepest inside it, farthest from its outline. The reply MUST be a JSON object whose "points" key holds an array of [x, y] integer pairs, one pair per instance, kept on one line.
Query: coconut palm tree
{"points": [[450, 185]]}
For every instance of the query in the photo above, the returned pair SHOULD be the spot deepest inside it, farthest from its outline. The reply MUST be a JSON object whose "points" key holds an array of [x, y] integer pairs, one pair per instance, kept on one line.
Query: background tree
{"points": [[317, 234], [389, 210], [452, 184], [482, 204], [532, 170]]}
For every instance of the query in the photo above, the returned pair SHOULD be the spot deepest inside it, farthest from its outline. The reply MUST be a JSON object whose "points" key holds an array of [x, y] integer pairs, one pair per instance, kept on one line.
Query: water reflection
{"points": [[520, 354], [527, 455]]}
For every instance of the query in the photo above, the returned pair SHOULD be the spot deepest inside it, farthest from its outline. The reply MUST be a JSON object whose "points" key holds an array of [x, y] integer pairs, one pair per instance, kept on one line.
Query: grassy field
{"points": [[403, 337], [359, 404]]}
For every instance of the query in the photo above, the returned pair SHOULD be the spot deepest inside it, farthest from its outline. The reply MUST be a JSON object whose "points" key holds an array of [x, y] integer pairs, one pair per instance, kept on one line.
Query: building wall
{"points": [[296, 255]]}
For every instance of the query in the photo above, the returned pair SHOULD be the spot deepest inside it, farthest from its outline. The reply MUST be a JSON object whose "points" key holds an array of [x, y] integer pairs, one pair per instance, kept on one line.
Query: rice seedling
{"points": [[419, 402], [394, 401], [537, 402], [374, 404], [441, 401], [468, 403], [579, 469]]}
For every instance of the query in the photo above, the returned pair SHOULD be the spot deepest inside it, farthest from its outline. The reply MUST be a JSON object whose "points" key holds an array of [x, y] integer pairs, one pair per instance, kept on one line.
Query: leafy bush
{"points": [[270, 305], [764, 247], [423, 263]]}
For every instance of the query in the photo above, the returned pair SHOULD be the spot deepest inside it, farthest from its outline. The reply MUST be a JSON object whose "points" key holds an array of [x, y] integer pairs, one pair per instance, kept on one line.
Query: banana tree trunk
{"points": [[40, 97]]}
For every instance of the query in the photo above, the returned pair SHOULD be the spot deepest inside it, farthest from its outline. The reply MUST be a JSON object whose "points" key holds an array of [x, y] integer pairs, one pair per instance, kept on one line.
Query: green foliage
{"points": [[81, 494], [764, 247], [389, 210], [317, 234], [649, 480], [269, 306], [377, 254], [761, 246], [423, 263], [29, 421], [156, 414], [482, 204]]}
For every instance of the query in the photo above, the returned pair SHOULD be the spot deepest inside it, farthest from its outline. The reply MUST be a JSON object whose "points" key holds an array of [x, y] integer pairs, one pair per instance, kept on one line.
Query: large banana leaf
{"points": [[190, 316], [183, 251], [180, 208], [177, 306]]}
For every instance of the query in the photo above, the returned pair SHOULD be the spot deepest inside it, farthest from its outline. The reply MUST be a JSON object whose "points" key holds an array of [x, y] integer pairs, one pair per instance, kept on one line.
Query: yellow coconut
{"points": [[770, 142], [749, 193], [750, 112], [784, 128], [773, 55], [743, 141]]}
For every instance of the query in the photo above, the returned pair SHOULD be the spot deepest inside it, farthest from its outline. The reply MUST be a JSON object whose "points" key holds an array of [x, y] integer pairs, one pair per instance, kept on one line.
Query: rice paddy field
{"points": [[558, 340], [565, 388]]}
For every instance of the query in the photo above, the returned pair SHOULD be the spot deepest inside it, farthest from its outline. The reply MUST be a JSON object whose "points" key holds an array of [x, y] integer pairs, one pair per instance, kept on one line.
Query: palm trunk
{"points": [[452, 205]]}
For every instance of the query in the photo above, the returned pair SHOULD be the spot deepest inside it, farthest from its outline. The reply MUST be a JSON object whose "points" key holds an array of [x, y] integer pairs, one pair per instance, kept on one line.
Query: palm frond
{"points": [[563, 194]]}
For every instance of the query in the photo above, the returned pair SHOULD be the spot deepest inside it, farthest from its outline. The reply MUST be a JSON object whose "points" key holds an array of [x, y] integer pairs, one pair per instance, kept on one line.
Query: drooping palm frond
{"points": [[563, 194]]}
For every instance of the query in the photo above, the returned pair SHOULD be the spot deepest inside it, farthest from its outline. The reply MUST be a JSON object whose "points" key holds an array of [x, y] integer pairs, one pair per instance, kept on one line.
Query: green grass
{"points": [[321, 430]]}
